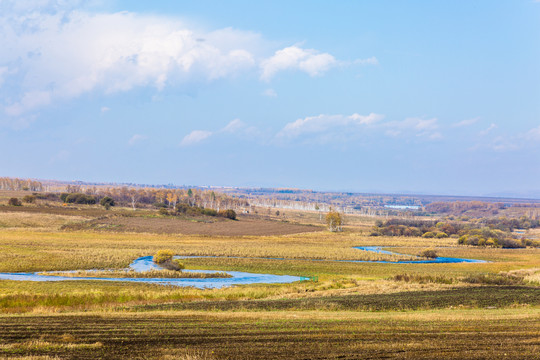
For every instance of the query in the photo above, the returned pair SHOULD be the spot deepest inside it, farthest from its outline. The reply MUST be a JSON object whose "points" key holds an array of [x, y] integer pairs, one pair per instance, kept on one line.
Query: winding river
{"points": [[145, 263]]}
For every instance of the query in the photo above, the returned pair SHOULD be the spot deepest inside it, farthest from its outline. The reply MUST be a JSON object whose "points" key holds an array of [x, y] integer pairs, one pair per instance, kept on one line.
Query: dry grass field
{"points": [[354, 310], [244, 226]]}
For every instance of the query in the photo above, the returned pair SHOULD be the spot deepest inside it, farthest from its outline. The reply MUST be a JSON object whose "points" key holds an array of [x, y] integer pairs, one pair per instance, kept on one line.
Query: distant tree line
{"points": [[478, 208], [165, 198], [480, 232], [16, 184]]}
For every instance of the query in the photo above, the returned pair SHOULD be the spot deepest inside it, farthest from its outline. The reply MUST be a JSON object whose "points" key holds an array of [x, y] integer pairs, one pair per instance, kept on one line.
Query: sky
{"points": [[428, 97]]}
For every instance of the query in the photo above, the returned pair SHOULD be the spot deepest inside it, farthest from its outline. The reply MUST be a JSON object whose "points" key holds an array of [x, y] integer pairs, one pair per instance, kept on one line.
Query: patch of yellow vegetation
{"points": [[37, 345], [530, 275], [35, 221]]}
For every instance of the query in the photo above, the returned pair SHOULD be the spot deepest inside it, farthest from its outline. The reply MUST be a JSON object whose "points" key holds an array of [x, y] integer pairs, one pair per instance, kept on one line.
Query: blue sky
{"points": [[387, 96]]}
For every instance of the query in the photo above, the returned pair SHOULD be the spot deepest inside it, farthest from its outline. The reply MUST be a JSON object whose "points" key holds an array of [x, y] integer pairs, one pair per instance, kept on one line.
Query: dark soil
{"points": [[471, 297], [152, 336]]}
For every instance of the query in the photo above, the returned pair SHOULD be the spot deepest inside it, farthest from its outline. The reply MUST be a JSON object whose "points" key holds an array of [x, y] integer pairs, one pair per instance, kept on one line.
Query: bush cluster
{"points": [[422, 279], [165, 259], [229, 214], [494, 279], [14, 202], [482, 232], [428, 253], [46, 196], [494, 238], [107, 202], [185, 209], [506, 224], [162, 256], [77, 198], [403, 227], [29, 199]]}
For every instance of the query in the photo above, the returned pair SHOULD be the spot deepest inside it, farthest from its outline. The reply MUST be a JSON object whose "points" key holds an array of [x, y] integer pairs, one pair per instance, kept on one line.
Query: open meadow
{"points": [[350, 310]]}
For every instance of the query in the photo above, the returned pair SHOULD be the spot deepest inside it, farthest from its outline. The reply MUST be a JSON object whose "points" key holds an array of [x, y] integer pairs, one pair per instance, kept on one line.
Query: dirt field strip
{"points": [[452, 334]]}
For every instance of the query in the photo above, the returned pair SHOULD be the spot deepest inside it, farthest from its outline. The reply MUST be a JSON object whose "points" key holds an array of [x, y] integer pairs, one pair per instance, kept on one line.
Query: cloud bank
{"points": [[56, 52], [296, 58], [326, 123]]}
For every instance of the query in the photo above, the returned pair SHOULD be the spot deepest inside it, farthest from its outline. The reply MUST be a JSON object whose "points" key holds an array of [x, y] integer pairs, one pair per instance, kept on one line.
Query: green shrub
{"points": [[64, 196], [163, 211], [79, 198], [46, 196], [428, 253], [209, 212], [511, 244], [14, 202], [29, 199], [165, 259], [107, 202], [173, 264], [422, 279], [494, 279], [229, 214]]}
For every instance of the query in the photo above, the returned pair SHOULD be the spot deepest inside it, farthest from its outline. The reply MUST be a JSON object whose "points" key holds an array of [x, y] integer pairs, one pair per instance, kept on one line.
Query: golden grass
{"points": [[45, 297], [32, 242], [454, 315], [531, 275], [36, 221], [181, 354], [25, 250], [37, 345], [30, 357], [46, 249]]}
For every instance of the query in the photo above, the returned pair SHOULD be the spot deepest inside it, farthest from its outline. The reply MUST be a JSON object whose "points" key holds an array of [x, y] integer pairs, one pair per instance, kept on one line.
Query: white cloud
{"points": [[296, 58], [234, 126], [195, 137], [508, 142], [323, 123], [488, 130], [270, 93], [136, 138], [533, 134], [105, 109], [466, 122], [60, 50], [365, 119], [369, 61], [63, 55], [415, 126]]}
